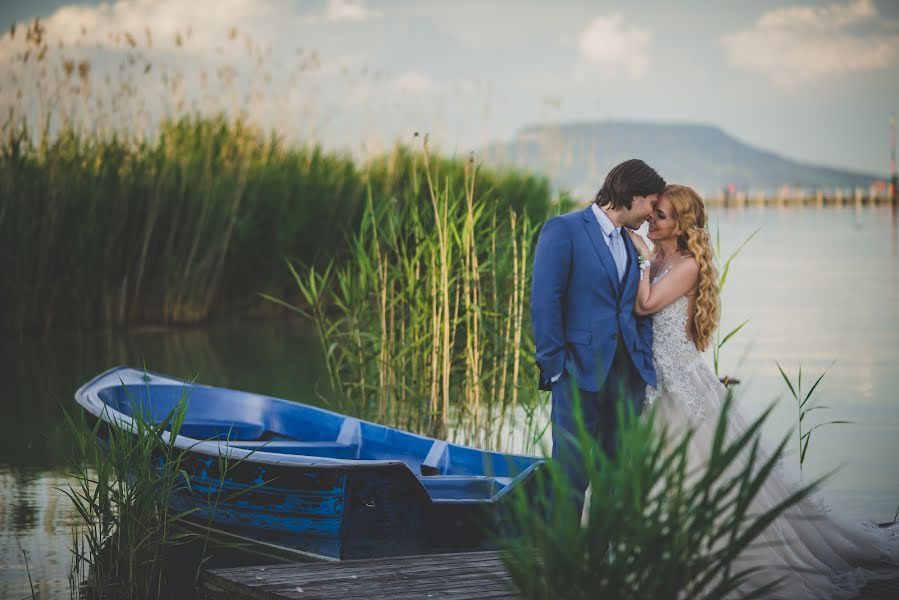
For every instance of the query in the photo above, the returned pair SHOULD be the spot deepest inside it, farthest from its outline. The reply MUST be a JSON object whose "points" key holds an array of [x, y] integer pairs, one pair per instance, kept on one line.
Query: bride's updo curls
{"points": [[693, 238]]}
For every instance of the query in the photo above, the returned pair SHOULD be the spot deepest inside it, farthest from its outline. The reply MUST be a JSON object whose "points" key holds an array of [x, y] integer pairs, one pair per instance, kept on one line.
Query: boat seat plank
{"points": [[463, 487], [437, 459], [323, 449], [350, 432], [230, 430]]}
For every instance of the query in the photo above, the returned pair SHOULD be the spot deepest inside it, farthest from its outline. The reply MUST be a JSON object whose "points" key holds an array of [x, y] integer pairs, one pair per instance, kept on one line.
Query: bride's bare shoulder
{"points": [[685, 271], [687, 265]]}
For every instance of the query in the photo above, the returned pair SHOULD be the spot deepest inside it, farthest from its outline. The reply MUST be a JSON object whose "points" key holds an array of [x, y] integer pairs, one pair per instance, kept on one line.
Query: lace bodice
{"points": [[677, 359]]}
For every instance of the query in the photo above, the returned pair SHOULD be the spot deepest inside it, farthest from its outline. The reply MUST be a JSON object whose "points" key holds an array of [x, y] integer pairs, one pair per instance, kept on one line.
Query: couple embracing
{"points": [[621, 325]]}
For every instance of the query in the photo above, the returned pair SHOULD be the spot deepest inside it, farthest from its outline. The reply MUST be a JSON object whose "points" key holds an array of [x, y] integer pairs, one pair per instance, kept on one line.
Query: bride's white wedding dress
{"points": [[822, 554]]}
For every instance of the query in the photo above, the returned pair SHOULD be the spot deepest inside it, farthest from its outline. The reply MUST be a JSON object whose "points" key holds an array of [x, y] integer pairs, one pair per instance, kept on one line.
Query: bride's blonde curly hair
{"points": [[688, 212]]}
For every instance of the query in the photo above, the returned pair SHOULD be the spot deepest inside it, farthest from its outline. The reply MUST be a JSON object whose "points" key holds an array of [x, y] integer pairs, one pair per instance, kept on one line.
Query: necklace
{"points": [[664, 263]]}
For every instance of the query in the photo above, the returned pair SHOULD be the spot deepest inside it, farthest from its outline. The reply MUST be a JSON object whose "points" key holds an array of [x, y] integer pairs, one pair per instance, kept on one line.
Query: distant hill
{"points": [[577, 156]]}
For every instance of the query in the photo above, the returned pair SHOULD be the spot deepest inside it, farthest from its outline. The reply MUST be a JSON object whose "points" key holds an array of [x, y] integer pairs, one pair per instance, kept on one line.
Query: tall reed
{"points": [[724, 269], [424, 325]]}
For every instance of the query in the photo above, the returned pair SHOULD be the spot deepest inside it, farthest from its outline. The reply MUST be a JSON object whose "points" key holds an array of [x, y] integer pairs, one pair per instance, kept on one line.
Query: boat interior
{"points": [[449, 472]]}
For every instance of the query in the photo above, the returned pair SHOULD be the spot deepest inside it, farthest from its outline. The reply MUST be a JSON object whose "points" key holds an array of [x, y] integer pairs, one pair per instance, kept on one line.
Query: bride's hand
{"points": [[639, 244]]}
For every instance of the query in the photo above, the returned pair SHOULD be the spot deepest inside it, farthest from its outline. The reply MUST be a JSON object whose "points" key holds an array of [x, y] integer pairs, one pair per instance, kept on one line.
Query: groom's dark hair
{"points": [[631, 178]]}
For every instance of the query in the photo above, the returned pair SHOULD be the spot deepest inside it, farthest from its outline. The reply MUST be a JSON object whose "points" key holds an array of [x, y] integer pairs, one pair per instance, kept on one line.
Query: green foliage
{"points": [[657, 526], [804, 407], [107, 230], [124, 479]]}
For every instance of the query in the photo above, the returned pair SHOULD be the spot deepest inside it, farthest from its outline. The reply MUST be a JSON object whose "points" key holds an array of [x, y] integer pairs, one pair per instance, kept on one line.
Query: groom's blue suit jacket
{"points": [[579, 311]]}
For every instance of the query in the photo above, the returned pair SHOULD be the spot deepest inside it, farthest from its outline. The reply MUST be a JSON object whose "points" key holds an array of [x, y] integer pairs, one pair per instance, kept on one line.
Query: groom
{"points": [[582, 309]]}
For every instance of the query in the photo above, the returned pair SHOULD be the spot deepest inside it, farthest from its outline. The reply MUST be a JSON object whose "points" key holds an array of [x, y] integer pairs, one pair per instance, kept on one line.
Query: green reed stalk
{"points": [[657, 526], [491, 299], [724, 270], [25, 560], [804, 406], [472, 398], [440, 204], [520, 285]]}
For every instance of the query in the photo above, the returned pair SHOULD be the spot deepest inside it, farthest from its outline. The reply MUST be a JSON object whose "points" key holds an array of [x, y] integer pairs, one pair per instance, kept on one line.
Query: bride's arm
{"points": [[651, 298], [682, 279]]}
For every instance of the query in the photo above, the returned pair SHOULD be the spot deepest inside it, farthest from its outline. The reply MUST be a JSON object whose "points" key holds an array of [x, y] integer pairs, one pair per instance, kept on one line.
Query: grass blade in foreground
{"points": [[126, 475], [674, 532]]}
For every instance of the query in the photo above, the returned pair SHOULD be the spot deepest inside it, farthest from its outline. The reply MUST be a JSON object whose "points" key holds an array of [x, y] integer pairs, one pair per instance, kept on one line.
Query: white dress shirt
{"points": [[604, 222]]}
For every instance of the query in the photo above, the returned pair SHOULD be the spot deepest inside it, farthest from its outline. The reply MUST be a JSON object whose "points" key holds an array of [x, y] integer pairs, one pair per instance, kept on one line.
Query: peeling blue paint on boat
{"points": [[316, 481]]}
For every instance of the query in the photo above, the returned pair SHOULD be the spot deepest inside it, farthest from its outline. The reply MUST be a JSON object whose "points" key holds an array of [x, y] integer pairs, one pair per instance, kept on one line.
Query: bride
{"points": [[822, 554]]}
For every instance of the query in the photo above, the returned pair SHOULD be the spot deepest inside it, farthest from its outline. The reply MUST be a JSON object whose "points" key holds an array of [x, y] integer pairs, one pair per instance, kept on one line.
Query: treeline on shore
{"points": [[197, 222]]}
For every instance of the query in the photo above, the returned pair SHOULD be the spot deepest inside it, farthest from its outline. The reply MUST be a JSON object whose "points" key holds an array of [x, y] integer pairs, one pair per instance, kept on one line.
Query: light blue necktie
{"points": [[618, 252]]}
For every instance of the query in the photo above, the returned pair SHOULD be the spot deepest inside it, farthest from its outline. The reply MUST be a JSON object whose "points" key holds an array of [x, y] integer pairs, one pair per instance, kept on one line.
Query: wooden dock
{"points": [[465, 575], [460, 576]]}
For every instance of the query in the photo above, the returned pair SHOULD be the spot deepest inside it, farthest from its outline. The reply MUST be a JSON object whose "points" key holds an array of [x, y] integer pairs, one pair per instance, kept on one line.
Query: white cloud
{"points": [[346, 10], [828, 18], [797, 45], [607, 41], [198, 27]]}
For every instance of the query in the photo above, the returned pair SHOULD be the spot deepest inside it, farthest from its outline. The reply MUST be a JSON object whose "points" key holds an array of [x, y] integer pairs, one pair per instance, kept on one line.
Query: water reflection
{"points": [[40, 376], [818, 286], [32, 507]]}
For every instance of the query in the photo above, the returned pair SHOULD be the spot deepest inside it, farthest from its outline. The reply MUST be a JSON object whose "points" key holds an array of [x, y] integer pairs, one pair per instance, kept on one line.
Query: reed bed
{"points": [[101, 233], [424, 325], [122, 485], [131, 540]]}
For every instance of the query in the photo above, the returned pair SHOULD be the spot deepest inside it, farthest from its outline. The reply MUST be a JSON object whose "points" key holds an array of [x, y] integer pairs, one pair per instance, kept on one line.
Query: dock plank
{"points": [[458, 576], [358, 566], [455, 576], [303, 574]]}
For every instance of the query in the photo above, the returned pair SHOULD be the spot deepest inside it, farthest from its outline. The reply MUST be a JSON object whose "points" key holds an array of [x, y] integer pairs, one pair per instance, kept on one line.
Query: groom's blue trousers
{"points": [[599, 415]]}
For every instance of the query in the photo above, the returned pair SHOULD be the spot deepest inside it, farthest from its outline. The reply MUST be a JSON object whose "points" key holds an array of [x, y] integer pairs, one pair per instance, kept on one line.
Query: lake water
{"points": [[817, 285]]}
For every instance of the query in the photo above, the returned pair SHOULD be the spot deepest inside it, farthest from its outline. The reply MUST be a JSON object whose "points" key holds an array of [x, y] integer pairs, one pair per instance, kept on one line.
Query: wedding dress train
{"points": [[821, 553]]}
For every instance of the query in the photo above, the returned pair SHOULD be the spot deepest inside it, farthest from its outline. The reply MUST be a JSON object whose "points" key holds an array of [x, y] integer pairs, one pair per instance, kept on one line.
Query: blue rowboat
{"points": [[317, 482]]}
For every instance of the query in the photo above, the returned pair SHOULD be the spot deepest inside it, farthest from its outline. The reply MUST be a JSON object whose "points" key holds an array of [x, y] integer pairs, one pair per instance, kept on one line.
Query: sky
{"points": [[812, 81]]}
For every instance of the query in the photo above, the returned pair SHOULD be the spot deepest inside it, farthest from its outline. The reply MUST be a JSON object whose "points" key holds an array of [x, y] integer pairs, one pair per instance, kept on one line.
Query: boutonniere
{"points": [[644, 264]]}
